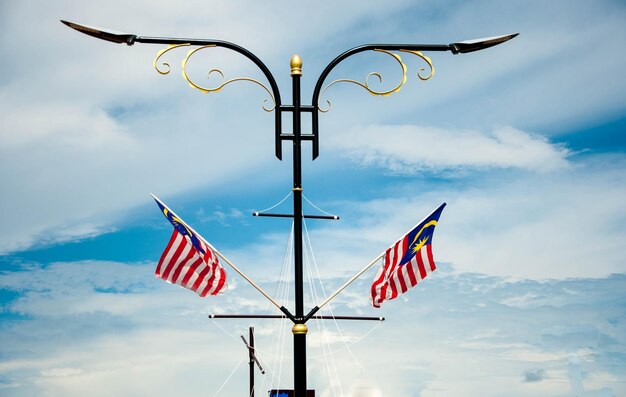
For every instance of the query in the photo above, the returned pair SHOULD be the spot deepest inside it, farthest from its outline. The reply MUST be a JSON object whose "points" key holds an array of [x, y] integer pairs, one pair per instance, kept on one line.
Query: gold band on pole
{"points": [[299, 329]]}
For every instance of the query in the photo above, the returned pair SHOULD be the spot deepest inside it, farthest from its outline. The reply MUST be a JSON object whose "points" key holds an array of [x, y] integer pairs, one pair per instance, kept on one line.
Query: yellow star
{"points": [[420, 244]]}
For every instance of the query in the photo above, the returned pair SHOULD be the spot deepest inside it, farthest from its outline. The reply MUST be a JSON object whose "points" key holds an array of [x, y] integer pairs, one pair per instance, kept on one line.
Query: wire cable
{"points": [[321, 328], [229, 376], [315, 206], [347, 346], [282, 290], [328, 357], [276, 205], [233, 336], [329, 306]]}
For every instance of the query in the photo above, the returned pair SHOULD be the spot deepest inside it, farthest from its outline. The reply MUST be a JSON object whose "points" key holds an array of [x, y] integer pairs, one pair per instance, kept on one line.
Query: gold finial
{"points": [[299, 329], [296, 65]]}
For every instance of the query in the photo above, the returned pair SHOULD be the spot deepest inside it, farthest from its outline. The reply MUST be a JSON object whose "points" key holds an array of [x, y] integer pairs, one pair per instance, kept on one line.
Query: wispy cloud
{"points": [[149, 336], [409, 149], [90, 141], [88, 129], [528, 225], [93, 132], [222, 216]]}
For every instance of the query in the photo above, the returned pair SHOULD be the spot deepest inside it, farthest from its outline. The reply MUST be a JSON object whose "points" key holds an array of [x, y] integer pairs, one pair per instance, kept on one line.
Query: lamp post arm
{"points": [[218, 43], [460, 47], [353, 51], [234, 47], [371, 47], [456, 48], [130, 39]]}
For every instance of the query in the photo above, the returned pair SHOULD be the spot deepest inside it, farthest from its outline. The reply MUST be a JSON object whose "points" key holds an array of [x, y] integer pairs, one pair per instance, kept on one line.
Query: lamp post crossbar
{"points": [[328, 217], [277, 316]]}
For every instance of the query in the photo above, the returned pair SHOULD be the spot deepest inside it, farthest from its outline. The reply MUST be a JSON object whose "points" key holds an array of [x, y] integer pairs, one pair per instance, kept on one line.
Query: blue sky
{"points": [[524, 141]]}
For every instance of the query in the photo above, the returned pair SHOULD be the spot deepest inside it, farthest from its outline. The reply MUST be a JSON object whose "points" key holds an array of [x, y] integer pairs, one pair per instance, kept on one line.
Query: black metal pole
{"points": [[299, 329], [251, 356]]}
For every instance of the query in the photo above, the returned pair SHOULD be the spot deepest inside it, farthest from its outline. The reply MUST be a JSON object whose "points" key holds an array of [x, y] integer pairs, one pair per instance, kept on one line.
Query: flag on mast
{"points": [[188, 260], [406, 262]]}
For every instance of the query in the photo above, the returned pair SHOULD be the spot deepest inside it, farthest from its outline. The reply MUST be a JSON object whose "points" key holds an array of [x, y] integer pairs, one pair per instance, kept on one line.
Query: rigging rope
{"points": [[229, 376], [276, 205], [306, 230], [359, 339], [282, 291], [327, 357], [315, 206], [256, 349], [225, 330], [283, 294]]}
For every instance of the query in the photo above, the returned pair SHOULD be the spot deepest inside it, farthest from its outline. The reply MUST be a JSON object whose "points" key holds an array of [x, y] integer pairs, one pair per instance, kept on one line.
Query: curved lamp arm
{"points": [[130, 39], [456, 48]]}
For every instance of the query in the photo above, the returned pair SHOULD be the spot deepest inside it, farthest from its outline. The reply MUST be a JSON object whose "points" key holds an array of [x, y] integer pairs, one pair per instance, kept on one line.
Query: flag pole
{"points": [[220, 255], [359, 274], [240, 272]]}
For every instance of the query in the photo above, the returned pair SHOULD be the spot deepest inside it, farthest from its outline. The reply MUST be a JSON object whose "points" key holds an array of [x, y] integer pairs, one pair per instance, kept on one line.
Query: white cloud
{"points": [[328, 338], [88, 128], [63, 177], [562, 226], [365, 388], [527, 225], [411, 149], [56, 372], [168, 344], [222, 216]]}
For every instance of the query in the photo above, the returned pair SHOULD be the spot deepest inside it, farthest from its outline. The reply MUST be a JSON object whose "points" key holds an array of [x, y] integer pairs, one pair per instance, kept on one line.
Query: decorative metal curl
{"points": [[427, 60], [397, 88], [366, 85], [161, 53], [203, 89]]}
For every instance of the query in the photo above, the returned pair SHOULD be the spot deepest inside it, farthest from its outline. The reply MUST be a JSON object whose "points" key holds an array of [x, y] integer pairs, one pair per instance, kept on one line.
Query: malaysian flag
{"points": [[406, 262], [188, 260]]}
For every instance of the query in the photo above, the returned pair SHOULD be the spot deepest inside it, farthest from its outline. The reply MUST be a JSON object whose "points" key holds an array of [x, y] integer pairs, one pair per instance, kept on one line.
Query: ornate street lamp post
{"points": [[299, 318]]}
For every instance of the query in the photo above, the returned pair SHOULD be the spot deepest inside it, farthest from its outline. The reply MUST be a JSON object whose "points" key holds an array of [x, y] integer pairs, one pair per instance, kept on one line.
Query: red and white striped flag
{"points": [[181, 263], [189, 261], [407, 262]]}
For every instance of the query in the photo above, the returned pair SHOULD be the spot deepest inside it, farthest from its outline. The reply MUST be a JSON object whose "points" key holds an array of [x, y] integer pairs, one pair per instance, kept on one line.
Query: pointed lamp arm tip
{"points": [[466, 46], [102, 34]]}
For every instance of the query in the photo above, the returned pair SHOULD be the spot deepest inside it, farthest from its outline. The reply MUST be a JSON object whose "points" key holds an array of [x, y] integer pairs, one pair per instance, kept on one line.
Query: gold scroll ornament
{"points": [[366, 84], [165, 68]]}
